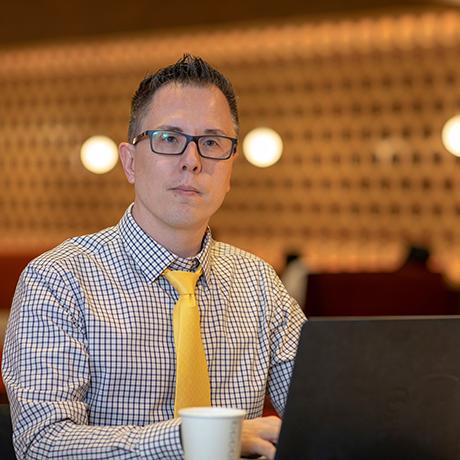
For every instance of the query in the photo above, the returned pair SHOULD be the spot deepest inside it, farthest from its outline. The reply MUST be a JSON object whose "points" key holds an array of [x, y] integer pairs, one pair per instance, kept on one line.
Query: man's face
{"points": [[180, 192]]}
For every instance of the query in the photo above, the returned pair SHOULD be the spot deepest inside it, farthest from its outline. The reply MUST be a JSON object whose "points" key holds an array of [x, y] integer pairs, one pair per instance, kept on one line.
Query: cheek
{"points": [[223, 183], [147, 179], [150, 171]]}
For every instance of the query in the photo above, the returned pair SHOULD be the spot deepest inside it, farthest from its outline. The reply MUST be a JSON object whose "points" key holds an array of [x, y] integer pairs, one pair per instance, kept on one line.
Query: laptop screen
{"points": [[375, 389]]}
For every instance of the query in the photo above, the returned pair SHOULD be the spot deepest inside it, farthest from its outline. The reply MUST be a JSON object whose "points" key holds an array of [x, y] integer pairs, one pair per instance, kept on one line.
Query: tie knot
{"points": [[183, 282]]}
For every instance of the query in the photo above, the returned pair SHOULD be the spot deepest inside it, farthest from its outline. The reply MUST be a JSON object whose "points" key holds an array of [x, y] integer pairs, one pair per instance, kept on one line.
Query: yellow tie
{"points": [[192, 379]]}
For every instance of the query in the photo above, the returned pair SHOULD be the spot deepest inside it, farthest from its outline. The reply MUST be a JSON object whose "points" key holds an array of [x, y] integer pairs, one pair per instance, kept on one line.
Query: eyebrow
{"points": [[180, 130]]}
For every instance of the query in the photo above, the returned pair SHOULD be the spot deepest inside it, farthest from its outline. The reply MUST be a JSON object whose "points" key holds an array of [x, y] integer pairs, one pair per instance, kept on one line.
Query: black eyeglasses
{"points": [[214, 147]]}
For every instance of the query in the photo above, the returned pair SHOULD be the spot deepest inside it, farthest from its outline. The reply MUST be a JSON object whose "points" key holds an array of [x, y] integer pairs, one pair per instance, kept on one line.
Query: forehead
{"points": [[190, 107]]}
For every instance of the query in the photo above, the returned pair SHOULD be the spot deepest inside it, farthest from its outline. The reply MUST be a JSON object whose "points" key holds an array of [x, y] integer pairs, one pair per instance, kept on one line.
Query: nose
{"points": [[190, 160]]}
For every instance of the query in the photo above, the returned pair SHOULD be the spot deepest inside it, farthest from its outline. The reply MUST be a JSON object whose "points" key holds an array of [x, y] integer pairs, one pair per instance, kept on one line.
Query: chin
{"points": [[187, 222]]}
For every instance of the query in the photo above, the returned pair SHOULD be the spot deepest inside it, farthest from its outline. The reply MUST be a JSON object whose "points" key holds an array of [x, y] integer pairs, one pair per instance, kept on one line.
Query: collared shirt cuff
{"points": [[162, 441]]}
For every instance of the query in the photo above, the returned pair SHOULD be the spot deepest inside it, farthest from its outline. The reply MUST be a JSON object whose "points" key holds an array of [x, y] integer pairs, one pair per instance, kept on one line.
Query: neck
{"points": [[184, 242], [184, 245]]}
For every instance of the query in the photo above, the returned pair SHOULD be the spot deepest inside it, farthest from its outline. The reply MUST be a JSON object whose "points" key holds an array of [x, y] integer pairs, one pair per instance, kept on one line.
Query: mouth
{"points": [[186, 190]]}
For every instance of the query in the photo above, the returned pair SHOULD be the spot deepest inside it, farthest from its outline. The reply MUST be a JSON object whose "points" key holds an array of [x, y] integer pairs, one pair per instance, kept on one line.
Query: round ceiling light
{"points": [[262, 147], [451, 135], [99, 154]]}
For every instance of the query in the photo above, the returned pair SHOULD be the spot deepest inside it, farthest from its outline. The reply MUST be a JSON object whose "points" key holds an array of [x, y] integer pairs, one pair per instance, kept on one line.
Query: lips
{"points": [[185, 189]]}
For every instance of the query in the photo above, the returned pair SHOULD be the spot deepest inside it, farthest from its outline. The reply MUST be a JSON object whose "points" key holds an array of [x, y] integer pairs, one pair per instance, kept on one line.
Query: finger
{"points": [[267, 449], [271, 428], [260, 446], [259, 435]]}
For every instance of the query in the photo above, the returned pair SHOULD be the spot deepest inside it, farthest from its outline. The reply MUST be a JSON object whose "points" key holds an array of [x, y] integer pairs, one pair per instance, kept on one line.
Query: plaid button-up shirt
{"points": [[89, 360]]}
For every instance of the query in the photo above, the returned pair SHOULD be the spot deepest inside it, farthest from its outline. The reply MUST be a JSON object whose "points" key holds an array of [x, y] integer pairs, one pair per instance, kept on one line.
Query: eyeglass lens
{"points": [[172, 143]]}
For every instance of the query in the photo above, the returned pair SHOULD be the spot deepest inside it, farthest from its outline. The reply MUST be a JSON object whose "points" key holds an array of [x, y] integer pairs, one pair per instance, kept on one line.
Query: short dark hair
{"points": [[189, 70]]}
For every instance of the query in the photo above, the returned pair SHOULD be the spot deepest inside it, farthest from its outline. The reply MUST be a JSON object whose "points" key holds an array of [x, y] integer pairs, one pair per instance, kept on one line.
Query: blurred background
{"points": [[358, 91]]}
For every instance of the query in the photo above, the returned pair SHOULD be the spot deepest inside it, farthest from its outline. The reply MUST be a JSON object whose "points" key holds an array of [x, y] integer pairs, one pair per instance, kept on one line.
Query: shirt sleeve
{"points": [[46, 369], [287, 319]]}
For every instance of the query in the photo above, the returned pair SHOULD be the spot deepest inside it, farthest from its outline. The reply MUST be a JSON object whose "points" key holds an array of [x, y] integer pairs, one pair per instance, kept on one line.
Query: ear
{"points": [[127, 159], [232, 159]]}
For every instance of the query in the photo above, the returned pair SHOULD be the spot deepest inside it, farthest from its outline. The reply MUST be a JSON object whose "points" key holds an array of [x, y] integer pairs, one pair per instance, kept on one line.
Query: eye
{"points": [[211, 142], [169, 138]]}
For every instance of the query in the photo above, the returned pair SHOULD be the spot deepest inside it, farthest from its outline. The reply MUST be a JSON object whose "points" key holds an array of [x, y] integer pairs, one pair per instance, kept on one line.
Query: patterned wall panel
{"points": [[359, 103]]}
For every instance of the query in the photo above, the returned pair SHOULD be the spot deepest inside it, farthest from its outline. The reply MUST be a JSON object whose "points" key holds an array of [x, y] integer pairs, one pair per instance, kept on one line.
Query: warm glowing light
{"points": [[262, 147], [99, 154], [451, 135]]}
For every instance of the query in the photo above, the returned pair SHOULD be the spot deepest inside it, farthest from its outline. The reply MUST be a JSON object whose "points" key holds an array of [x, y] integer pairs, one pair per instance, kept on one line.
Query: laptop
{"points": [[374, 389]]}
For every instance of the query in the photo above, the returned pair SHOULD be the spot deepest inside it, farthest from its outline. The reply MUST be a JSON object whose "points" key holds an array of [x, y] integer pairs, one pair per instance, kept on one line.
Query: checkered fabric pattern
{"points": [[89, 360]]}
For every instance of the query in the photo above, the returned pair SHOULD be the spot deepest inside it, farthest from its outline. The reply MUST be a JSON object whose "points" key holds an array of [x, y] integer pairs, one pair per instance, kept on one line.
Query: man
{"points": [[90, 354]]}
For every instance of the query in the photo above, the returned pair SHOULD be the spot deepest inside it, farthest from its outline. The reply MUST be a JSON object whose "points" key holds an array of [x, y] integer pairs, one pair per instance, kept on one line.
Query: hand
{"points": [[259, 436]]}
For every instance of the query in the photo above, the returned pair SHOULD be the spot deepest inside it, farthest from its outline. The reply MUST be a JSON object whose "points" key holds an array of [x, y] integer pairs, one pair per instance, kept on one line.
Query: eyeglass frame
{"points": [[149, 134]]}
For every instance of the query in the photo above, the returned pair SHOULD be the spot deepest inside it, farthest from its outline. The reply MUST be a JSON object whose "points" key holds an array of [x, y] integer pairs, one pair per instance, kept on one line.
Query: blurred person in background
{"points": [[295, 277]]}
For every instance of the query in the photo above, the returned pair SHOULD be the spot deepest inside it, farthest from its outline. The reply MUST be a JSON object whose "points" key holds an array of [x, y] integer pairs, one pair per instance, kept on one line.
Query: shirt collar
{"points": [[152, 258]]}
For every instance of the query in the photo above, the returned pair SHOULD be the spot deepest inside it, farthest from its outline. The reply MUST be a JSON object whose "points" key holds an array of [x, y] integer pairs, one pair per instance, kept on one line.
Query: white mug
{"points": [[210, 433]]}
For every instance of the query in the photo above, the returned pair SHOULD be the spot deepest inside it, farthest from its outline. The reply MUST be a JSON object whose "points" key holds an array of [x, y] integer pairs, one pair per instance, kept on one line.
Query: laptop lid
{"points": [[374, 389]]}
